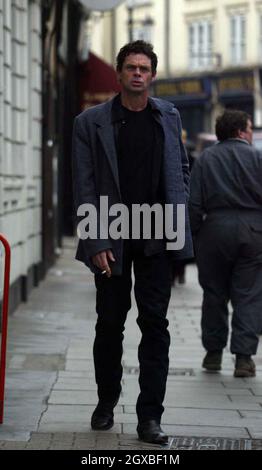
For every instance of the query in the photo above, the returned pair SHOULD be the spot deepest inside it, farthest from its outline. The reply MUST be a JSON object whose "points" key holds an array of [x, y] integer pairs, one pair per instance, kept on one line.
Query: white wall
{"points": [[185, 11], [100, 26], [20, 131], [182, 12]]}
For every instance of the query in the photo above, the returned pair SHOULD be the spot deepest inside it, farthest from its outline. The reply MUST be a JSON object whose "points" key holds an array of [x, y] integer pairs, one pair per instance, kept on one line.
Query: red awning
{"points": [[97, 82]]}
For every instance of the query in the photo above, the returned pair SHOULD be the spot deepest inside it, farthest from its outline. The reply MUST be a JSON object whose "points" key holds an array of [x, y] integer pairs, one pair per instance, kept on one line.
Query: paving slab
{"points": [[191, 430], [50, 383]]}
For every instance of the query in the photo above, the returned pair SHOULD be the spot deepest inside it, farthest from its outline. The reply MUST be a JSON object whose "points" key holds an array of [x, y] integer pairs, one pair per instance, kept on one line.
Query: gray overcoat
{"points": [[95, 174]]}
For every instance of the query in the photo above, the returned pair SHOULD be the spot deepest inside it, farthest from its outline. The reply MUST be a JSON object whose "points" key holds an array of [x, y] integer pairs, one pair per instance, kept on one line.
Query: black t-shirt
{"points": [[135, 156]]}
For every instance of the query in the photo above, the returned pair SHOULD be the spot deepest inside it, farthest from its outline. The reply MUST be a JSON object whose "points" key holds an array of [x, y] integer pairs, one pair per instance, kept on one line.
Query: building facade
{"points": [[20, 138], [131, 20], [42, 43], [210, 52], [219, 55]]}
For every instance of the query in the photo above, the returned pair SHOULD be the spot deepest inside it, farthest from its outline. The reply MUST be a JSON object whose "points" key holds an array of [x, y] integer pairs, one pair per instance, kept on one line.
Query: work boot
{"points": [[244, 366], [212, 360]]}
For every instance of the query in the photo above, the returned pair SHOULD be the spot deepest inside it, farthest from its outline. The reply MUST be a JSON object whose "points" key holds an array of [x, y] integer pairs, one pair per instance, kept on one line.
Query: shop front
{"points": [[192, 97], [236, 90], [97, 82]]}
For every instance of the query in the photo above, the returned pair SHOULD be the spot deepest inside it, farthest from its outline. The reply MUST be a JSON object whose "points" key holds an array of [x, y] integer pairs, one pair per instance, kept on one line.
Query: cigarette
{"points": [[104, 272]]}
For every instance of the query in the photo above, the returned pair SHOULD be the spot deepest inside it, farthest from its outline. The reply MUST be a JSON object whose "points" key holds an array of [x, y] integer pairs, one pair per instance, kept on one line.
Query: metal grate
{"points": [[209, 443], [171, 371]]}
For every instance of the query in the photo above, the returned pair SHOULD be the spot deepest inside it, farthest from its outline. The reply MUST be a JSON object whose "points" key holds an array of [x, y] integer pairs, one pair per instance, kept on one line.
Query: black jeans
{"points": [[152, 292]]}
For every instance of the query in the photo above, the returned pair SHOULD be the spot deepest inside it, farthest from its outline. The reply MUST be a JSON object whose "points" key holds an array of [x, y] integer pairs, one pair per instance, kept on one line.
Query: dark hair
{"points": [[137, 47], [230, 122]]}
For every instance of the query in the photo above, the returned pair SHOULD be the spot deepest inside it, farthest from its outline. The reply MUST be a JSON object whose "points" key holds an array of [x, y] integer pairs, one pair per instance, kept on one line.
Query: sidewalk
{"points": [[50, 386]]}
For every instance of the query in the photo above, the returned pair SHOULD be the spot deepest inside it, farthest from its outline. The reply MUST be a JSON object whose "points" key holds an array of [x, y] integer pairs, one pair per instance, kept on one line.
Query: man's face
{"points": [[247, 134], [136, 74]]}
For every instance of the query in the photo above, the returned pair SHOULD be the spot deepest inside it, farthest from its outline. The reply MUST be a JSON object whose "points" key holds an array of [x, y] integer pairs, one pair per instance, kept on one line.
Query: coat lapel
{"points": [[106, 135], [166, 119], [172, 171], [105, 131], [171, 137]]}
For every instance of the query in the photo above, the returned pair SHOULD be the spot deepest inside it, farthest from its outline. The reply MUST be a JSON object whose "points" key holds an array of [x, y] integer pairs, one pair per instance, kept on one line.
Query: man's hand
{"points": [[101, 261]]}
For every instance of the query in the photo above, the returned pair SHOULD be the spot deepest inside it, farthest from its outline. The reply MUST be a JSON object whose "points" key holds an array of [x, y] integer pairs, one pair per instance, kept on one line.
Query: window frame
{"points": [[200, 41]]}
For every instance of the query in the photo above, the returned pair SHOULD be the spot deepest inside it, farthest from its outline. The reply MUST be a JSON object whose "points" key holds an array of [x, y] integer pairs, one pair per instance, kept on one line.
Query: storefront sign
{"points": [[236, 83], [179, 87]]}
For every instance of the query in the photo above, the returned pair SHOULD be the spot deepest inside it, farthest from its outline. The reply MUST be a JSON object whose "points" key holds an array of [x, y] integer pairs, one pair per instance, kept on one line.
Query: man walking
{"points": [[130, 150], [226, 221]]}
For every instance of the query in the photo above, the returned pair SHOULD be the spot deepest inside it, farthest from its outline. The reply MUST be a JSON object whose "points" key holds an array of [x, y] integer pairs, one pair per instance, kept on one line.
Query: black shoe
{"points": [[103, 416], [150, 431], [212, 360], [245, 366]]}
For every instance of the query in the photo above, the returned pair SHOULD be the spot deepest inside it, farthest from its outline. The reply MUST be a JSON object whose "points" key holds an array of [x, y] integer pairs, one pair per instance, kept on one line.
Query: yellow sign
{"points": [[236, 83], [91, 99], [100, 97], [185, 87]]}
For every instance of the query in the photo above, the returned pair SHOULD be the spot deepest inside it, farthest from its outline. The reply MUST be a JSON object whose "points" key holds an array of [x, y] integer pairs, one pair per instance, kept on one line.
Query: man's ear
{"points": [[239, 133], [153, 77]]}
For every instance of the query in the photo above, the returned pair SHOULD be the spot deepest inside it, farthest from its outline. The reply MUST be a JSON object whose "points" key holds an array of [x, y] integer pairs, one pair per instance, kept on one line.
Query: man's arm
{"points": [[102, 259], [184, 158], [196, 203], [82, 167], [84, 187]]}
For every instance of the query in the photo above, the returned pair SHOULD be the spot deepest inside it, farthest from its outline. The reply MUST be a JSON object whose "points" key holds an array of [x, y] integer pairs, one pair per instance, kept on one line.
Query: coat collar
{"points": [[244, 141], [102, 117], [112, 111], [117, 112]]}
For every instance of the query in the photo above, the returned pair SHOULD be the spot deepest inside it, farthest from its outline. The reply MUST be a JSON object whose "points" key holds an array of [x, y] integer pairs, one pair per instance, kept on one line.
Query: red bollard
{"points": [[4, 323]]}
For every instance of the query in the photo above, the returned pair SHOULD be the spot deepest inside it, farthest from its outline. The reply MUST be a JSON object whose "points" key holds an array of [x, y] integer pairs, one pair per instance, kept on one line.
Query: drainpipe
{"points": [[113, 36], [167, 37]]}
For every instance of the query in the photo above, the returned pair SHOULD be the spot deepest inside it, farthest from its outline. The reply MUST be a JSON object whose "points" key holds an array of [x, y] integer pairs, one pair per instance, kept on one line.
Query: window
{"points": [[238, 39], [200, 44], [141, 33], [143, 30]]}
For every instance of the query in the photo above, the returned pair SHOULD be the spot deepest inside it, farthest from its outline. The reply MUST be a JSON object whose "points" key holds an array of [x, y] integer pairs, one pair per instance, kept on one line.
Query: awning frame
{"points": [[101, 5]]}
